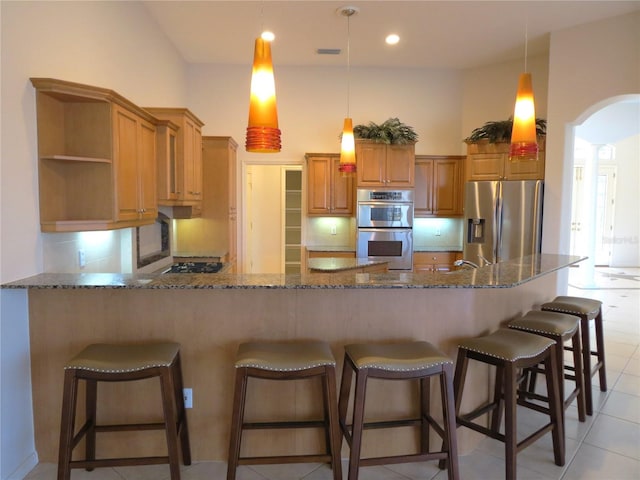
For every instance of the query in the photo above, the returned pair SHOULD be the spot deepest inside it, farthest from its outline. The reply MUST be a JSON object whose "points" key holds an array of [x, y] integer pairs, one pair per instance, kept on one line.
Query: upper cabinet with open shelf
{"points": [[96, 158]]}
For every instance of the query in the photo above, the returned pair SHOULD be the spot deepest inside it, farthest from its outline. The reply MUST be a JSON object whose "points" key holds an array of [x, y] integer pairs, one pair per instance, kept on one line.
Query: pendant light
{"points": [[347, 163], [524, 142], [263, 134]]}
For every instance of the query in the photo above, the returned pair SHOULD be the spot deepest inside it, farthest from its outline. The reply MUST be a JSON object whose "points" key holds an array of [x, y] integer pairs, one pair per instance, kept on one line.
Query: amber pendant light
{"points": [[263, 134], [524, 142], [347, 163]]}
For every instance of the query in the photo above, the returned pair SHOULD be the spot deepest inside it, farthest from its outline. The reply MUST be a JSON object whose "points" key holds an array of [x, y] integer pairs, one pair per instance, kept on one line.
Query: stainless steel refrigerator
{"points": [[503, 220]]}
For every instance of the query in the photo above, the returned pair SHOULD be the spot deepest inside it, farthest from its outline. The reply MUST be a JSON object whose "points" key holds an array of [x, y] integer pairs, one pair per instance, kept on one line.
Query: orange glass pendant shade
{"points": [[524, 143], [348, 149], [263, 134]]}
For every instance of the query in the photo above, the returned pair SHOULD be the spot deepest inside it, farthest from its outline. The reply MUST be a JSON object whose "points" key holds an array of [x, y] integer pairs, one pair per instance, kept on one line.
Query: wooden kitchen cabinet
{"points": [[382, 165], [96, 158], [220, 207], [328, 191], [434, 261], [183, 160], [490, 161], [439, 185]]}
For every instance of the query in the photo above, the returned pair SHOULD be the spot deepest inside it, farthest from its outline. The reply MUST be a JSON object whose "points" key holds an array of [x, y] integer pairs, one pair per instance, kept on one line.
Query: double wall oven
{"points": [[385, 227]]}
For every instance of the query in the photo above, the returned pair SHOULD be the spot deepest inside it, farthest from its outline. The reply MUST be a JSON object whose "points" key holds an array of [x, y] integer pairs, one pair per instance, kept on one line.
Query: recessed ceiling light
{"points": [[267, 36], [392, 39]]}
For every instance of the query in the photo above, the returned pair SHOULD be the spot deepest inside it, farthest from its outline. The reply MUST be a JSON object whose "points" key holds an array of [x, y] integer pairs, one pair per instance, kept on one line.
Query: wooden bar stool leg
{"points": [[182, 413], [586, 364], [425, 408], [556, 406], [67, 424], [600, 355], [449, 421], [91, 401], [510, 420], [499, 401], [358, 423], [579, 376], [170, 420], [343, 401], [335, 436], [236, 422]]}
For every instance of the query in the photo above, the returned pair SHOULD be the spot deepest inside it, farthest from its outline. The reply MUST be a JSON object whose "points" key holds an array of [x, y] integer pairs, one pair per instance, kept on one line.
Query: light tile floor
{"points": [[605, 447]]}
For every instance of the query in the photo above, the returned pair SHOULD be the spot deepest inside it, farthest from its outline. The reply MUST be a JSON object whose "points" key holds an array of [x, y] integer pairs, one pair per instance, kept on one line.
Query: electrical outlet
{"points": [[334, 230], [82, 261], [437, 232], [188, 397]]}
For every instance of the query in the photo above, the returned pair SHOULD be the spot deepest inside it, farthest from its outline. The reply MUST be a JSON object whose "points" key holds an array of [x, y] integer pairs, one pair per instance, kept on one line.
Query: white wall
{"points": [[108, 44], [589, 66]]}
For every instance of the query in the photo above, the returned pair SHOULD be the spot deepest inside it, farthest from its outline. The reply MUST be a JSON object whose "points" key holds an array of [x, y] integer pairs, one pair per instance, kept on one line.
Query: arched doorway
{"points": [[605, 222]]}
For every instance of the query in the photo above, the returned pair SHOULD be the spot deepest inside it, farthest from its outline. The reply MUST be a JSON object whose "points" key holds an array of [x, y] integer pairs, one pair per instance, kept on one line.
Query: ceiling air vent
{"points": [[329, 51]]}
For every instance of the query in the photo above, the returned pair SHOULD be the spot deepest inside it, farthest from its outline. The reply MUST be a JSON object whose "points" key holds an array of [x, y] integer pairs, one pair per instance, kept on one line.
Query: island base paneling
{"points": [[211, 323]]}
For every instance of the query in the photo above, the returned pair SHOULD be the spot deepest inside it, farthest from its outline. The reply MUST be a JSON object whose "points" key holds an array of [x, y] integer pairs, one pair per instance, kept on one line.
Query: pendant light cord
{"points": [[348, 62]]}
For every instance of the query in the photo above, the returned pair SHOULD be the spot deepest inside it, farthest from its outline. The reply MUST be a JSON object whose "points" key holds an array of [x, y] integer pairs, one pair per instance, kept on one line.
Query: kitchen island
{"points": [[210, 314]]}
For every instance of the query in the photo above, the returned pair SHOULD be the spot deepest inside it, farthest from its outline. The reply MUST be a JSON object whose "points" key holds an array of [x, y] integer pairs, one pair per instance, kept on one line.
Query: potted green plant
{"points": [[391, 131], [494, 136]]}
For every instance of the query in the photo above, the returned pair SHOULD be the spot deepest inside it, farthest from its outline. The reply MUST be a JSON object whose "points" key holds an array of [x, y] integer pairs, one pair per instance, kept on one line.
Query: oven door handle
{"points": [[383, 230]]}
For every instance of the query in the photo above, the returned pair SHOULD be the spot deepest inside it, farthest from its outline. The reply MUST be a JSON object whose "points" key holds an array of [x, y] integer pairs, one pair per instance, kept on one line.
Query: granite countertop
{"points": [[330, 248], [334, 265], [500, 275]]}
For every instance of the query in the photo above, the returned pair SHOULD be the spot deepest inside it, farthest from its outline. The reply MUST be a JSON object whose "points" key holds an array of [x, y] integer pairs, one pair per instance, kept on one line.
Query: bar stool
{"points": [[586, 309], [401, 361], [511, 350], [123, 363], [286, 361], [561, 328]]}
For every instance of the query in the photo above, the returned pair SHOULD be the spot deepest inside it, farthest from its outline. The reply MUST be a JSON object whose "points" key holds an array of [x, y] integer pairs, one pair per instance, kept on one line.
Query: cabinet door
{"points": [[423, 193], [371, 164], [319, 176], [525, 169], [125, 161], [400, 166], [146, 164], [342, 190], [167, 165], [447, 190], [485, 166], [192, 161]]}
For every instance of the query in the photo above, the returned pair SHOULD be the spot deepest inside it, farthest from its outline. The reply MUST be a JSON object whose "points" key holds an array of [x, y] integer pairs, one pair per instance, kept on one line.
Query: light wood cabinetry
{"points": [[328, 191], [382, 165], [220, 207], [96, 158], [434, 261], [180, 162], [490, 161], [439, 189]]}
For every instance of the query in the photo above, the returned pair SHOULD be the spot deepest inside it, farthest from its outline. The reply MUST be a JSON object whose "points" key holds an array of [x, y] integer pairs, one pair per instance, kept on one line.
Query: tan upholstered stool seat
{"points": [[412, 361], [124, 358], [586, 309], [284, 357], [396, 357], [575, 306], [295, 360], [550, 323], [509, 345], [511, 352], [123, 363]]}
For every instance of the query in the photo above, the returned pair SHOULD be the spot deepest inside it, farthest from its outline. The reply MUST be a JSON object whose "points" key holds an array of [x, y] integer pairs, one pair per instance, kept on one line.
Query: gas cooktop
{"points": [[195, 267]]}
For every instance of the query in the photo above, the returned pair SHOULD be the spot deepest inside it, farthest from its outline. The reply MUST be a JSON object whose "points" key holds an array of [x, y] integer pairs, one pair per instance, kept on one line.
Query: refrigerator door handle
{"points": [[497, 223]]}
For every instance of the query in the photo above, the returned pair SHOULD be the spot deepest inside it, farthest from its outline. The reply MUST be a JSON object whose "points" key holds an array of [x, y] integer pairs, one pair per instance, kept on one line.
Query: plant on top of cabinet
{"points": [[96, 158], [391, 131], [488, 153]]}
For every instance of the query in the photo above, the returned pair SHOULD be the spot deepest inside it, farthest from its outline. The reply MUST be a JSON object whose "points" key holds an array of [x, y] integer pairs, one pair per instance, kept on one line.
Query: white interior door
{"points": [[263, 219], [605, 214]]}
